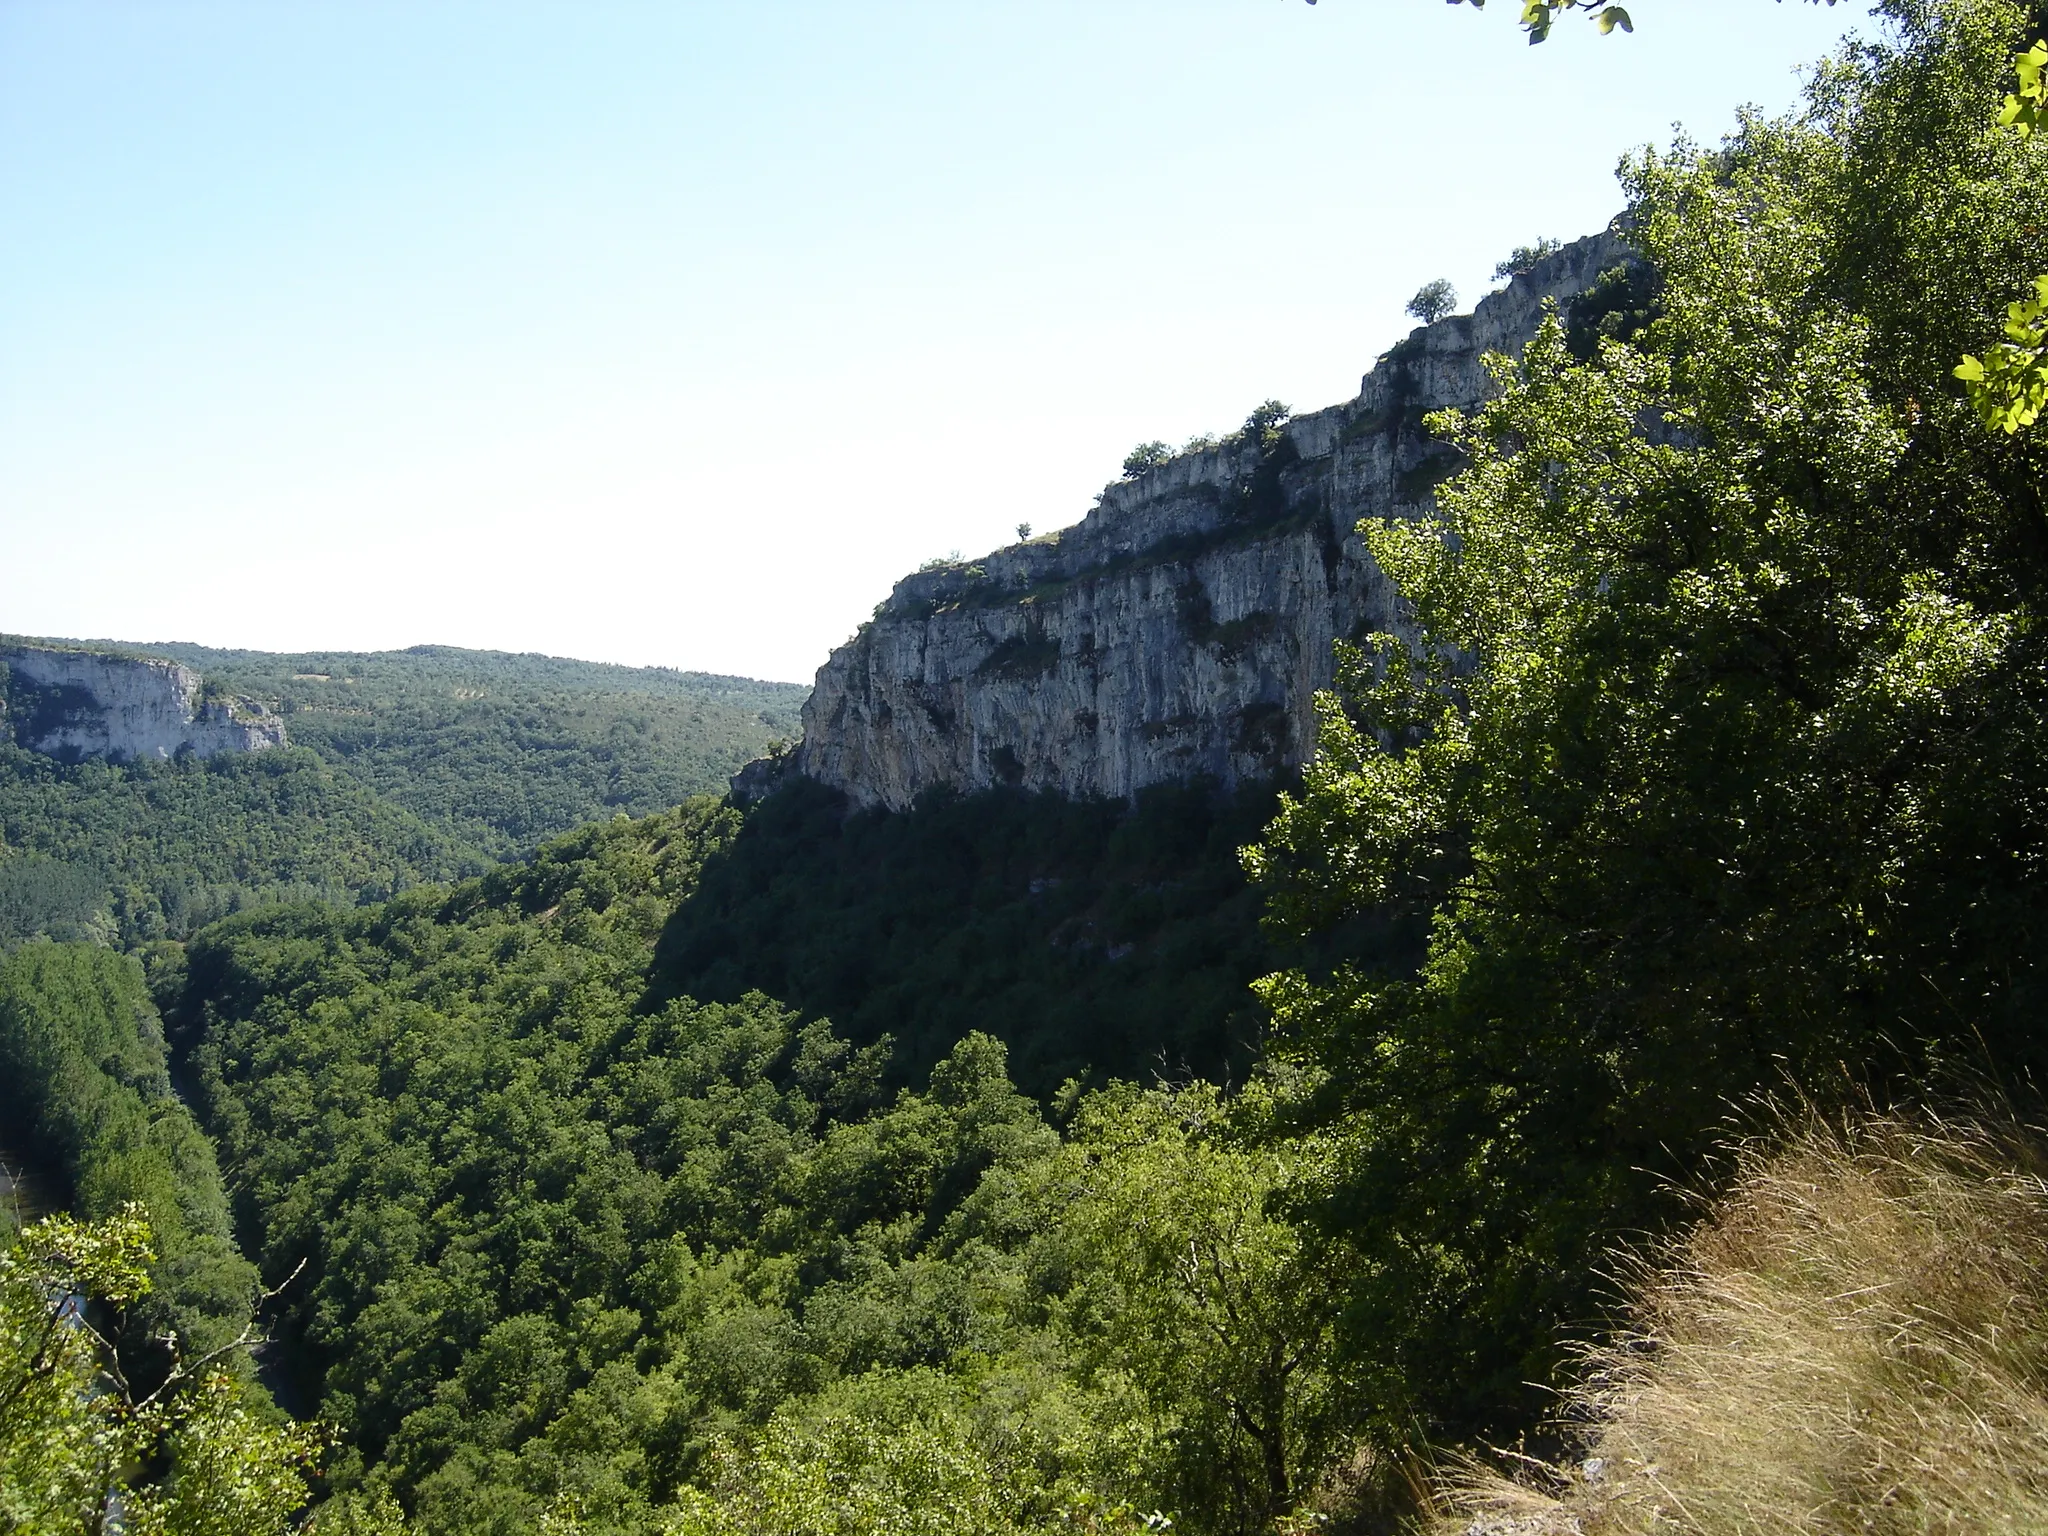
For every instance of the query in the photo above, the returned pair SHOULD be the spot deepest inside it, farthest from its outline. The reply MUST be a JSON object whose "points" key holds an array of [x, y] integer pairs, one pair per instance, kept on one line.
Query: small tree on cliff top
{"points": [[1433, 300]]}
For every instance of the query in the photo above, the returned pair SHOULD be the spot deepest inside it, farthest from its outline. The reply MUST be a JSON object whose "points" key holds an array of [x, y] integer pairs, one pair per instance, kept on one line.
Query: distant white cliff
{"points": [[1181, 630], [71, 704]]}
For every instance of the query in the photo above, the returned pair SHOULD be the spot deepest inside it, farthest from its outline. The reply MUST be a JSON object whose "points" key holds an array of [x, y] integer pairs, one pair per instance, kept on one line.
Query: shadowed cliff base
{"points": [[1095, 939]]}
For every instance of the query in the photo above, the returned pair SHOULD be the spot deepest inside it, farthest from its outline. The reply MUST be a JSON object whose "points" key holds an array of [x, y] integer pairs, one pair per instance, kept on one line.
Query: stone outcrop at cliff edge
{"points": [[1182, 629], [73, 704]]}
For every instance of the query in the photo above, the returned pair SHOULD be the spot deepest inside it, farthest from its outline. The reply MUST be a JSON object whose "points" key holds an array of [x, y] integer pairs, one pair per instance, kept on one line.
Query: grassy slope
{"points": [[1854, 1342]]}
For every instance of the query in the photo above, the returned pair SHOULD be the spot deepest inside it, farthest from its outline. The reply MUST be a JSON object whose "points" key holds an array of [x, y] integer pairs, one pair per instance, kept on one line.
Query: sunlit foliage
{"points": [[1716, 755]]}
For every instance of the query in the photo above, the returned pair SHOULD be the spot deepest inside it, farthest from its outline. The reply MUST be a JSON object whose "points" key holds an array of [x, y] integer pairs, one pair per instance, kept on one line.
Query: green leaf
{"points": [[2024, 110]]}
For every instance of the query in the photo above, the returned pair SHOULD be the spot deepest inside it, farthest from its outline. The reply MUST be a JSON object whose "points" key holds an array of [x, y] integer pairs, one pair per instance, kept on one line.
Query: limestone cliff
{"points": [[1183, 627], [73, 704]]}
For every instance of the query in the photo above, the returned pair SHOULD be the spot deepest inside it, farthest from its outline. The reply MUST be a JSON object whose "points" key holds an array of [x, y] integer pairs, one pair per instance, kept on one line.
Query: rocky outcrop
{"points": [[1183, 627], [73, 704]]}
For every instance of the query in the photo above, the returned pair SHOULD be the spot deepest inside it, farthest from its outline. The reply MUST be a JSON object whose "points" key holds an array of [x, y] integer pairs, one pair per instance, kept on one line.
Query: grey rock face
{"points": [[1183, 627], [78, 704]]}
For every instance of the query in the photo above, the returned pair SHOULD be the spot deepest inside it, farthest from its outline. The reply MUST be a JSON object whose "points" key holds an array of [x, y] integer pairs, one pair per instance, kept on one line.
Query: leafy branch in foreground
{"points": [[1539, 15], [2009, 384], [72, 1435], [2025, 107]]}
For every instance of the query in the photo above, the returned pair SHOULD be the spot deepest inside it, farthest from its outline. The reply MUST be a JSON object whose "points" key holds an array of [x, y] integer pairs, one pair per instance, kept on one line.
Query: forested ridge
{"points": [[758, 1171], [502, 750], [404, 767], [129, 853]]}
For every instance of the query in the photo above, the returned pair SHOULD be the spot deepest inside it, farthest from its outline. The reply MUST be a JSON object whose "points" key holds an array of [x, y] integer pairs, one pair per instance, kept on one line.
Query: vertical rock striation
{"points": [[72, 704], [1183, 627]]}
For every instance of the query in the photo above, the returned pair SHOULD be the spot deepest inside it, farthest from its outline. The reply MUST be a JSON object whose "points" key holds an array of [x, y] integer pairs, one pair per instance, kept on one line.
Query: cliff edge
{"points": [[74, 704], [1181, 629]]}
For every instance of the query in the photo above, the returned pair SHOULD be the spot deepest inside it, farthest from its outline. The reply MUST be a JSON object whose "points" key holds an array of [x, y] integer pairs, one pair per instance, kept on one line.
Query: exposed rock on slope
{"points": [[1183, 627], [75, 704]]}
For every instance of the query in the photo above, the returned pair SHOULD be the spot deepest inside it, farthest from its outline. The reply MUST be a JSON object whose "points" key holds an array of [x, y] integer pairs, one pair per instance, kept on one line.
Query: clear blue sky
{"points": [[672, 332]]}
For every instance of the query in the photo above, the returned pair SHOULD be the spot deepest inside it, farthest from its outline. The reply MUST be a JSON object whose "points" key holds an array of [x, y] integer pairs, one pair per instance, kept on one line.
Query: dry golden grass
{"points": [[1854, 1340]]}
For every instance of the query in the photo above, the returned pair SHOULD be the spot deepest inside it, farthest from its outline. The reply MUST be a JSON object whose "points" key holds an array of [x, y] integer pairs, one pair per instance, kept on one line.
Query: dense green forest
{"points": [[130, 853], [85, 1084], [669, 1180], [404, 767], [1090, 937], [569, 1242], [503, 750]]}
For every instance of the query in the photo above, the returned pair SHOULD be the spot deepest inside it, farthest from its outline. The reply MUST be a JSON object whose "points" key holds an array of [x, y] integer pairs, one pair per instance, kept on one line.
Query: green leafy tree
{"points": [[73, 1434], [851, 1473], [232, 1471], [1523, 257], [1144, 457], [1714, 753], [1434, 300], [2009, 384], [62, 1444], [85, 1088], [1209, 1300]]}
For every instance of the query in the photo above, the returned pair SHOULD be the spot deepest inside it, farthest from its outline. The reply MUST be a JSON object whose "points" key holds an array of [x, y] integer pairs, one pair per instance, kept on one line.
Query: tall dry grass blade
{"points": [[1855, 1340]]}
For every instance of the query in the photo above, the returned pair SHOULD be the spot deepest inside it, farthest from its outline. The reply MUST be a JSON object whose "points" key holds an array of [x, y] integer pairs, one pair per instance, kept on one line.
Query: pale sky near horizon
{"points": [[674, 333]]}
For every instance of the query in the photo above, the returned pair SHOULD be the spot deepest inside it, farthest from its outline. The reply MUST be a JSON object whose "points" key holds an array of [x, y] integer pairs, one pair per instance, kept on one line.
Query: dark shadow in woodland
{"points": [[1095, 939]]}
